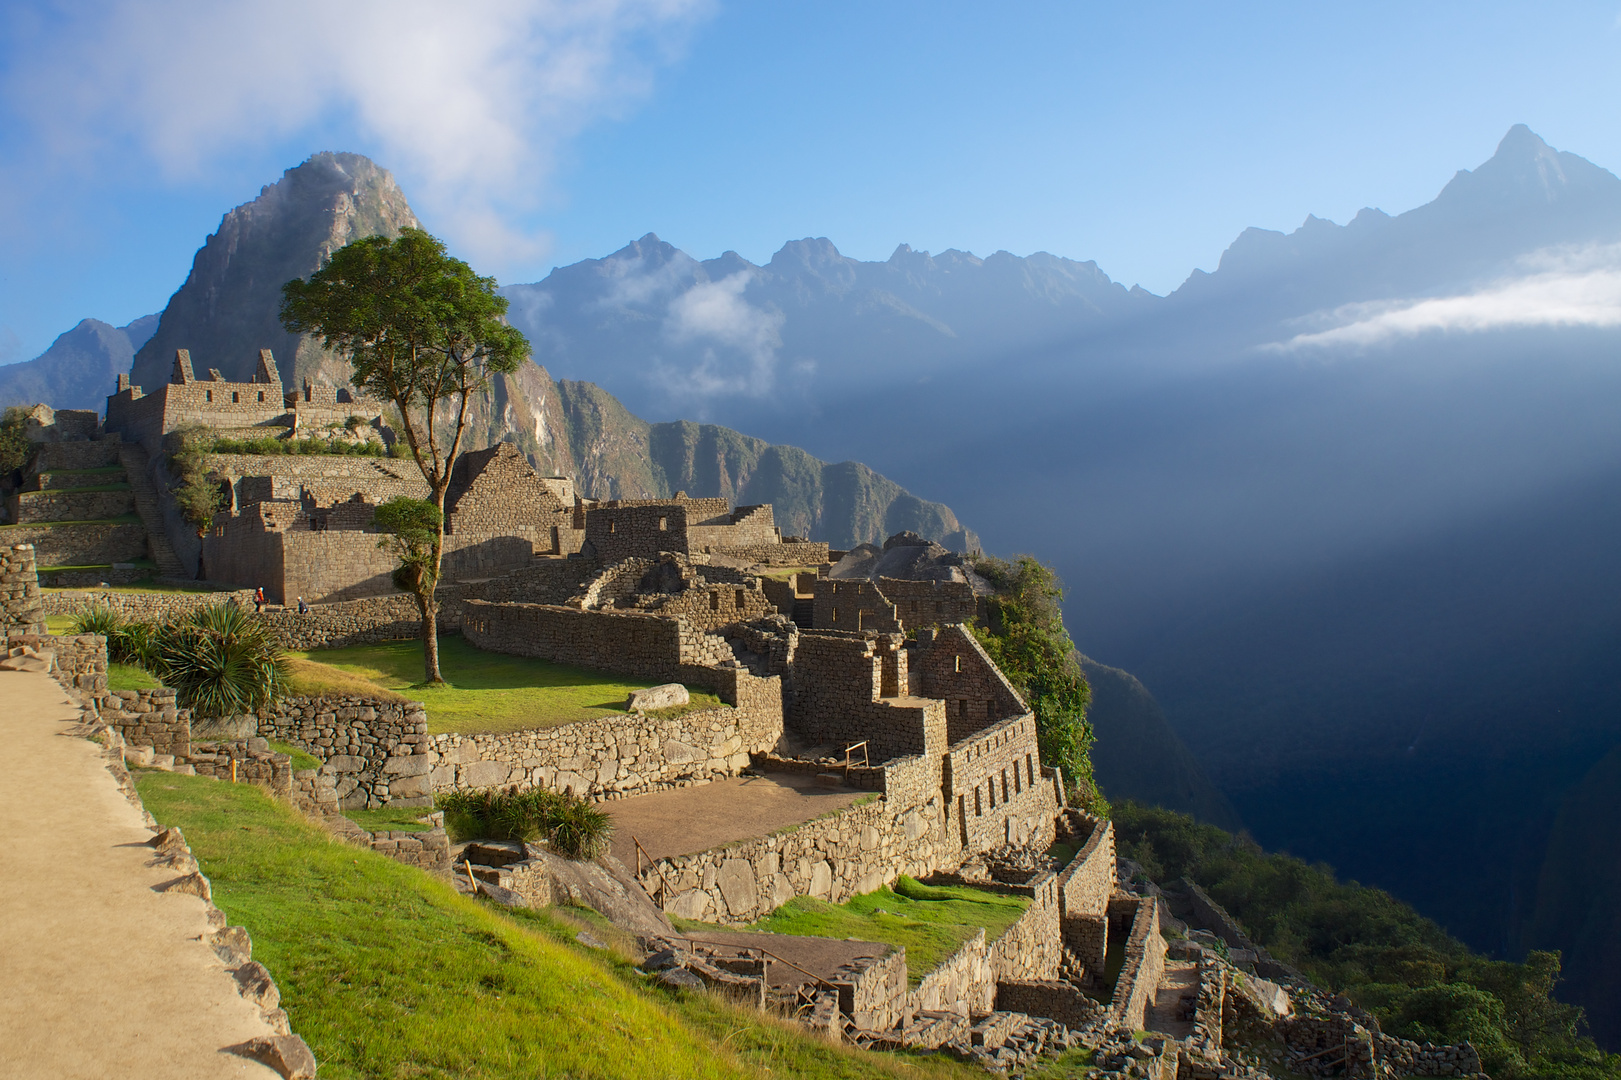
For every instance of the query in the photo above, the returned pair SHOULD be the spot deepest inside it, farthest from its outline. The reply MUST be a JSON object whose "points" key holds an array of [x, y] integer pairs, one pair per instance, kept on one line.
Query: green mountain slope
{"points": [[1139, 756]]}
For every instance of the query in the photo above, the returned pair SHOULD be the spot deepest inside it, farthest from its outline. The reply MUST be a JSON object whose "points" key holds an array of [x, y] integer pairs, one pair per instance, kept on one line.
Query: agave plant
{"points": [[97, 619], [222, 660], [572, 827]]}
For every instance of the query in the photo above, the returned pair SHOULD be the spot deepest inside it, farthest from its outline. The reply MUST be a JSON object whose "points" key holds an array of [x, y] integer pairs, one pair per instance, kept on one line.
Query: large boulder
{"points": [[665, 696]]}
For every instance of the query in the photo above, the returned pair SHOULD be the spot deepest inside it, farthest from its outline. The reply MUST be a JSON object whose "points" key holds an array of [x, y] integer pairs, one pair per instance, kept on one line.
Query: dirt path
{"points": [[1165, 1015], [101, 976], [685, 820]]}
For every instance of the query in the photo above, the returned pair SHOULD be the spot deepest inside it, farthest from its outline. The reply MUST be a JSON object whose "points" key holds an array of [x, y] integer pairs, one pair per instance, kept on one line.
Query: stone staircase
{"points": [[135, 461]]}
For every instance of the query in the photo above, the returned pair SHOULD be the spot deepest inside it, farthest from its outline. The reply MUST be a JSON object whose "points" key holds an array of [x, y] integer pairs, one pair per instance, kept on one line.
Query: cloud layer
{"points": [[469, 104], [1556, 288]]}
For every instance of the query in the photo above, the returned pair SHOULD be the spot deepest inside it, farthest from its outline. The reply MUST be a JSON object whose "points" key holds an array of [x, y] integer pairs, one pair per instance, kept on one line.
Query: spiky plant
{"points": [[97, 619], [580, 830], [223, 661]]}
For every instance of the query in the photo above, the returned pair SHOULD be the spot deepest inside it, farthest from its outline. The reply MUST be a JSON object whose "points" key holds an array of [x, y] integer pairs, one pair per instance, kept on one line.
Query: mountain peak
{"points": [[1523, 144]]}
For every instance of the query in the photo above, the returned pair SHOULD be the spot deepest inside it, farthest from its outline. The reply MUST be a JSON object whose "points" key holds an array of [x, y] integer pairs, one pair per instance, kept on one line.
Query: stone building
{"points": [[261, 406]]}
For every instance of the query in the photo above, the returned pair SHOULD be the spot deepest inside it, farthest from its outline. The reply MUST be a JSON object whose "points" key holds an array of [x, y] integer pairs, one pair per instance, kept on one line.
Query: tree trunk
{"points": [[429, 602]]}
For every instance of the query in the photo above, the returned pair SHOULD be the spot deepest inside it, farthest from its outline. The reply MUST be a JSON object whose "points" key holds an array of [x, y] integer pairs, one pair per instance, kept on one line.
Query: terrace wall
{"points": [[1084, 889], [1145, 962], [999, 792], [79, 545], [377, 752], [21, 606]]}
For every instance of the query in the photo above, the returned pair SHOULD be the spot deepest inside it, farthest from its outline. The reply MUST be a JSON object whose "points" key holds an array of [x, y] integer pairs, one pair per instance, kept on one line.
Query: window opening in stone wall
{"points": [[664, 524], [958, 661], [610, 526], [740, 599], [979, 809], [1018, 784], [1030, 768], [261, 395], [714, 601], [235, 397], [208, 395], [990, 793], [835, 615], [1004, 786]]}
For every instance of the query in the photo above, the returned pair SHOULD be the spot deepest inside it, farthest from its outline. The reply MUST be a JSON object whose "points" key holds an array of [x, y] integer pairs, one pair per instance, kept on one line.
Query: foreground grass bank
{"points": [[488, 691], [388, 973]]}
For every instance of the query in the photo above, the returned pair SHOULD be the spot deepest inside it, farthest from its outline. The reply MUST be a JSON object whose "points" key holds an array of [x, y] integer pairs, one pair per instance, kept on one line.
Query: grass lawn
{"points": [[130, 677], [488, 691], [146, 585], [59, 624], [387, 972], [931, 921]]}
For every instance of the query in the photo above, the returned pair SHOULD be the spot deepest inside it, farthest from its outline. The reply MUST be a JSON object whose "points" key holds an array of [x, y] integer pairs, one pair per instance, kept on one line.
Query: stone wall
{"points": [[948, 663], [29, 507], [1053, 998], [1000, 795], [787, 553], [185, 399], [847, 689], [21, 605], [872, 991], [1139, 977], [927, 603], [149, 718], [614, 754], [79, 545], [1031, 948], [141, 607], [853, 605], [67, 479], [80, 664], [854, 850], [71, 456], [376, 751], [615, 532], [254, 763], [964, 982], [1084, 889], [351, 622], [628, 643]]}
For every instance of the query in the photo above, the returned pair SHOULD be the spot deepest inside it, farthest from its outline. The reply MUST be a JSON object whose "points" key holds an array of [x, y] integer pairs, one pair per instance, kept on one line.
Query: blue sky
{"points": [[534, 133]]}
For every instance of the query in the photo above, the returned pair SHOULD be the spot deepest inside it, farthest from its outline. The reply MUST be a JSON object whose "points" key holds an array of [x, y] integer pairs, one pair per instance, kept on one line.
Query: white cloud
{"points": [[1562, 287], [469, 104], [737, 342]]}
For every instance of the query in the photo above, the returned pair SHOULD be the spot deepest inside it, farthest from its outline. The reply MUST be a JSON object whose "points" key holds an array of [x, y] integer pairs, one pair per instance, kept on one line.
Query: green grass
{"points": [[142, 564], [408, 819], [301, 759], [121, 519], [931, 921], [146, 585], [130, 677], [59, 624], [100, 469], [88, 488], [488, 691], [386, 972]]}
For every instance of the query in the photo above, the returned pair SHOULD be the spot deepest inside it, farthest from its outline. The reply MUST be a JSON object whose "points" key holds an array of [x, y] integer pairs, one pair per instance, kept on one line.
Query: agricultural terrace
{"points": [[488, 692]]}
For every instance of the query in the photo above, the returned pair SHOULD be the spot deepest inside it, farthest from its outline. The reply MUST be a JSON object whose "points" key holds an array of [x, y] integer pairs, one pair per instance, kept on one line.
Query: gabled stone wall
{"points": [[948, 663], [997, 789], [853, 606], [840, 697]]}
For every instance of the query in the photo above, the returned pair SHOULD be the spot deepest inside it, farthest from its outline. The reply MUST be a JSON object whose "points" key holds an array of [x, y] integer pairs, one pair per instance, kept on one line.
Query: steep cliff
{"points": [[227, 309]]}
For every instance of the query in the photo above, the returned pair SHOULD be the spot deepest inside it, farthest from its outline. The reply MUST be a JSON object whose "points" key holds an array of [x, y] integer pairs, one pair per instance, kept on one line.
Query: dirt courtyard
{"points": [[685, 820]]}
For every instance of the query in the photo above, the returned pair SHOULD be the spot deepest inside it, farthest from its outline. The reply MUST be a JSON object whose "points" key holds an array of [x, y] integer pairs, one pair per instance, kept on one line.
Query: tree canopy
{"points": [[421, 330]]}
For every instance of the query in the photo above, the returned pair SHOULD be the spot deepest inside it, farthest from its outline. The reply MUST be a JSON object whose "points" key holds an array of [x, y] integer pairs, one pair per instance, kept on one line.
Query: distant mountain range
{"points": [[80, 367], [1340, 503]]}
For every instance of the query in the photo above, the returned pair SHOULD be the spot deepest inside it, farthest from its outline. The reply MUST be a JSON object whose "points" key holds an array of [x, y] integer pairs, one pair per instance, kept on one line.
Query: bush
{"points": [[569, 825], [223, 661], [98, 619]]}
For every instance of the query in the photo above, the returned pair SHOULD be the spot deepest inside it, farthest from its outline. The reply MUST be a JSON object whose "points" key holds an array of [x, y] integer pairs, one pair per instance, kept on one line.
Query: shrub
{"points": [[568, 824], [222, 660], [98, 619]]}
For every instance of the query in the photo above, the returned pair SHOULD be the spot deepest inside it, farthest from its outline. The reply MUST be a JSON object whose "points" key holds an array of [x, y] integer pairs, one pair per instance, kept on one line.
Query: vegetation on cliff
{"points": [[1024, 633], [1419, 981]]}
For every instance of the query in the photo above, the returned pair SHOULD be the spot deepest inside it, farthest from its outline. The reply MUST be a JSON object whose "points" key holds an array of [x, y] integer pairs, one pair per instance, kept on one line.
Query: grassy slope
{"points": [[130, 677], [931, 922], [489, 691], [388, 973]]}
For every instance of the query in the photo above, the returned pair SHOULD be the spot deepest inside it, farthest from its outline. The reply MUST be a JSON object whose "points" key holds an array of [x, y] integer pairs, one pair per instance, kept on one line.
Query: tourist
{"points": [[258, 600], [303, 608]]}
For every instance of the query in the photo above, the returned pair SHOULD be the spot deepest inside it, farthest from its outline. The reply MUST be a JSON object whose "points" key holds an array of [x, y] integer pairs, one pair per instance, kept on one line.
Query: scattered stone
{"points": [[664, 696], [589, 941], [254, 983], [681, 979], [504, 897], [287, 1054], [193, 883]]}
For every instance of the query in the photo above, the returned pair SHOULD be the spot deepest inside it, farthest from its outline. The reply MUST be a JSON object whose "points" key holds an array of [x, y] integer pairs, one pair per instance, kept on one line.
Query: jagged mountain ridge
{"points": [[80, 367]]}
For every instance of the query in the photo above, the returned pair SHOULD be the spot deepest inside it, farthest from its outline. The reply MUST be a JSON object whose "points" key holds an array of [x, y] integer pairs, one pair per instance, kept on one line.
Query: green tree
{"points": [[422, 331], [1024, 633], [197, 494], [410, 526], [14, 445]]}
